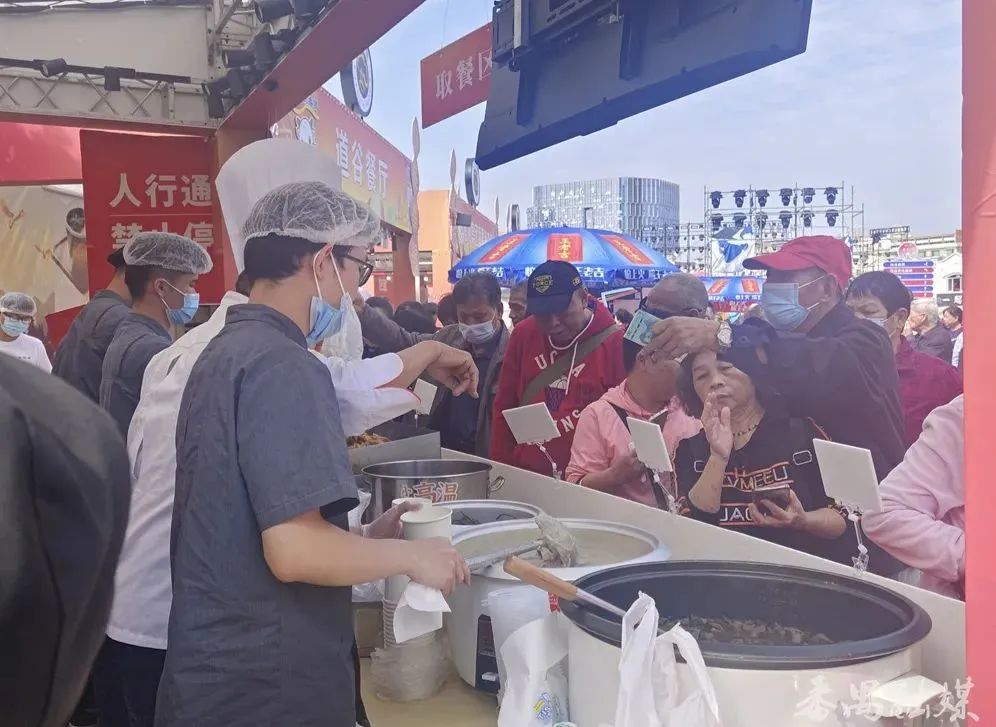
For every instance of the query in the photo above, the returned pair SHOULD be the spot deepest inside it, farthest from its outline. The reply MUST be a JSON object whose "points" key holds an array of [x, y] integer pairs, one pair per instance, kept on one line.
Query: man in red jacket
{"points": [[566, 354]]}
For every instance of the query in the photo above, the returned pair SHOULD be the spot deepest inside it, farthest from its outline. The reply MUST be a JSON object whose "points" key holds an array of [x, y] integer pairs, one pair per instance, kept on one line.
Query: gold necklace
{"points": [[748, 430]]}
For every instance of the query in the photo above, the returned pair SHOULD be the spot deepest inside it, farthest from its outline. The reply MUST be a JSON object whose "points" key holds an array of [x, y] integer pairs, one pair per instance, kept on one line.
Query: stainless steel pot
{"points": [[440, 480]]}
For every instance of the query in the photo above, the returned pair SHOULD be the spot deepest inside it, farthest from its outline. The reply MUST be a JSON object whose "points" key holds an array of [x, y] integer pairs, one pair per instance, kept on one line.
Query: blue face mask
{"points": [[781, 306], [14, 328], [182, 316], [325, 320]]}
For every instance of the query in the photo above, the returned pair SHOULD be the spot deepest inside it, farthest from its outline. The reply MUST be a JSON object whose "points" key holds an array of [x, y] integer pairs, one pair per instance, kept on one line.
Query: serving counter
{"points": [[943, 650]]}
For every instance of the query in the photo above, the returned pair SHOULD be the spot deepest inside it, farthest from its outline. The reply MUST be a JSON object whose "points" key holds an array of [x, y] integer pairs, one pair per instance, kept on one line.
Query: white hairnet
{"points": [[312, 211], [168, 251], [19, 303]]}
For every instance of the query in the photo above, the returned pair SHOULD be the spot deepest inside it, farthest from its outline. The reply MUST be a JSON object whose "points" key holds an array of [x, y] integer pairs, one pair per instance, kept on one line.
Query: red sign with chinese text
{"points": [[502, 249], [564, 247], [136, 183], [628, 250], [457, 77]]}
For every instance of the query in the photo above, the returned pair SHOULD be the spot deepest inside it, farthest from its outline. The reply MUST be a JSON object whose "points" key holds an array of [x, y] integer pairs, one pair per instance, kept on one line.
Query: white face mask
{"points": [[478, 332]]}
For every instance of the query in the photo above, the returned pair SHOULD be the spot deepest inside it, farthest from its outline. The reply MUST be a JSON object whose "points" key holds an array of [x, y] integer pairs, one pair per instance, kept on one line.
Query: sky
{"points": [[874, 102]]}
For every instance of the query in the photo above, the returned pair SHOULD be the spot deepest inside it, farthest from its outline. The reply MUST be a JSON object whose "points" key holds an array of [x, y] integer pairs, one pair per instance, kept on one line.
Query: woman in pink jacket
{"points": [[922, 522]]}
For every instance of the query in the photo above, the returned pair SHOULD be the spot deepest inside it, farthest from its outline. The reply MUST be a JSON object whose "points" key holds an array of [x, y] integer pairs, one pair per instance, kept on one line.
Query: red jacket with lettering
{"points": [[529, 352]]}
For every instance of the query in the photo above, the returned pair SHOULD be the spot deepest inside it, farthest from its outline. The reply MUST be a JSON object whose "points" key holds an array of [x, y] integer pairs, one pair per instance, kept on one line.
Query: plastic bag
{"points": [[512, 608], [536, 661], [364, 592], [651, 693]]}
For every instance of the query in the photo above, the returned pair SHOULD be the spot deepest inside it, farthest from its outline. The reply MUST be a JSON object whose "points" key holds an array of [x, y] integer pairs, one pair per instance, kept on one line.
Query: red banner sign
{"points": [[628, 250], [457, 77], [134, 183], [502, 249], [564, 247]]}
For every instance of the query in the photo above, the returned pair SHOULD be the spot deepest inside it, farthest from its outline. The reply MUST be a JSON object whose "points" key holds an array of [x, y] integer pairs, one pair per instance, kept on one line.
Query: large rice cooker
{"points": [[600, 544], [474, 513], [874, 632]]}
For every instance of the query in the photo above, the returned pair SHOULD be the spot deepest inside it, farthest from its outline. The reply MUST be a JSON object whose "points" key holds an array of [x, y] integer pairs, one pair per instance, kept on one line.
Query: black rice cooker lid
{"points": [[914, 623]]}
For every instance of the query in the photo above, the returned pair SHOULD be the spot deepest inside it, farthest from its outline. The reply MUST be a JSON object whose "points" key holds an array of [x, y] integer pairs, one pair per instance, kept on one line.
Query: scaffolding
{"points": [[777, 215]]}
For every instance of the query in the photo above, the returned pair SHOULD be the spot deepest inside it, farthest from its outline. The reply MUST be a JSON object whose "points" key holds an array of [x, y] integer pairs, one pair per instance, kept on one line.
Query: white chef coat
{"points": [[28, 349], [143, 588]]}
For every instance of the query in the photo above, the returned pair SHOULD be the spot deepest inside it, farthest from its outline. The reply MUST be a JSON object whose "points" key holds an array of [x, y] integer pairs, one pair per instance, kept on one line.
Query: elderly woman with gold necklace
{"points": [[752, 468]]}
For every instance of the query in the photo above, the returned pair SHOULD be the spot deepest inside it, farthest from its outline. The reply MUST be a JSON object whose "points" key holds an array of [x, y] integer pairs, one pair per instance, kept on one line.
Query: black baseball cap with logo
{"points": [[551, 287]]}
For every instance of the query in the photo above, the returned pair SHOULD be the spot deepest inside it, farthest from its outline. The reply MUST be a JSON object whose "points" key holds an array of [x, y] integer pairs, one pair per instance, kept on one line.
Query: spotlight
{"points": [[807, 219], [739, 218], [785, 217], [307, 8], [715, 198], [55, 67], [113, 76], [786, 193], [762, 196], [238, 84], [270, 10], [717, 220], [738, 197], [831, 193], [213, 91], [264, 51], [831, 217], [239, 58], [807, 194], [876, 238], [761, 219]]}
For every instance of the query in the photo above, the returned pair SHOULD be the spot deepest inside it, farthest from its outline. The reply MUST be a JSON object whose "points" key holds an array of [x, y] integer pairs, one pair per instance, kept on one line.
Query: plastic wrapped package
{"points": [[536, 662], [411, 671]]}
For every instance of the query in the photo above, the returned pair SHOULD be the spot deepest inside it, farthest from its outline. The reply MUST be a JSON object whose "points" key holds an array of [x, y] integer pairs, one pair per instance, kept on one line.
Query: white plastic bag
{"points": [[536, 660], [512, 608], [364, 592], [651, 693]]}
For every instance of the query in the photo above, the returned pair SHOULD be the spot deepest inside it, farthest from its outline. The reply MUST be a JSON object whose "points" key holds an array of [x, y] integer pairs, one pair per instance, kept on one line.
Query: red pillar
{"points": [[979, 250], [403, 287]]}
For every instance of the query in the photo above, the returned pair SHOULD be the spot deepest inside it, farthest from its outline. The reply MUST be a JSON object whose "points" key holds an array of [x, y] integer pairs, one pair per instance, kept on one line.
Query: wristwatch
{"points": [[724, 336]]}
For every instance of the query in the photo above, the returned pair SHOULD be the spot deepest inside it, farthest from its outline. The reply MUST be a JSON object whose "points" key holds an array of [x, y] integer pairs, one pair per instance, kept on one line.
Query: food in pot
{"points": [[747, 631], [367, 439], [594, 547]]}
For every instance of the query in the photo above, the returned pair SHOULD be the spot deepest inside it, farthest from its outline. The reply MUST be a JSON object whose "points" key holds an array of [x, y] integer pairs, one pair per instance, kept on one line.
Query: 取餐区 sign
{"points": [[457, 77]]}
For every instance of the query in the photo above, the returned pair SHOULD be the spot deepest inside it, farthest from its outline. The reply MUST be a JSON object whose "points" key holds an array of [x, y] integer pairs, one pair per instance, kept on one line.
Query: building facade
{"points": [[646, 209]]}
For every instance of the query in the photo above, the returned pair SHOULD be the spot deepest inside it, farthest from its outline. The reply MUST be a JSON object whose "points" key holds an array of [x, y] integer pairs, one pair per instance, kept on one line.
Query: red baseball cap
{"points": [[829, 254]]}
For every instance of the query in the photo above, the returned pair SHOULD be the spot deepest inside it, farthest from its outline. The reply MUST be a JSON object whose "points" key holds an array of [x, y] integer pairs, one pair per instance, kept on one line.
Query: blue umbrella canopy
{"points": [[603, 258]]}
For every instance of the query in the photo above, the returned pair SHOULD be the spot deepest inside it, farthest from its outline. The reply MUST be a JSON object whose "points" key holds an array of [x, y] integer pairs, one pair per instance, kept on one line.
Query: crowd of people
{"points": [[229, 441]]}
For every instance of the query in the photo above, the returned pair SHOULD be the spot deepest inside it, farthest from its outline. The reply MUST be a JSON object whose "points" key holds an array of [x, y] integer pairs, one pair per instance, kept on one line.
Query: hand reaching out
{"points": [[456, 370], [718, 431]]}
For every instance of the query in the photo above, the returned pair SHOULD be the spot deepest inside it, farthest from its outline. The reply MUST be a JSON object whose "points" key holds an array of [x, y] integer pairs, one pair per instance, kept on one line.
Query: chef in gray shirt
{"points": [[261, 626], [161, 271], [80, 356]]}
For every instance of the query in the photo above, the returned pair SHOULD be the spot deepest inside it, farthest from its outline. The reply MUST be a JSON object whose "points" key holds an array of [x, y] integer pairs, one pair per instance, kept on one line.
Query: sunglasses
{"points": [[366, 269]]}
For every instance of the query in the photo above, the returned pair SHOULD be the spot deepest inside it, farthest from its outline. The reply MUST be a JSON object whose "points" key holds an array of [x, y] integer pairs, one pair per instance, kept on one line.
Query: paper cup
{"points": [[423, 501], [429, 522]]}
